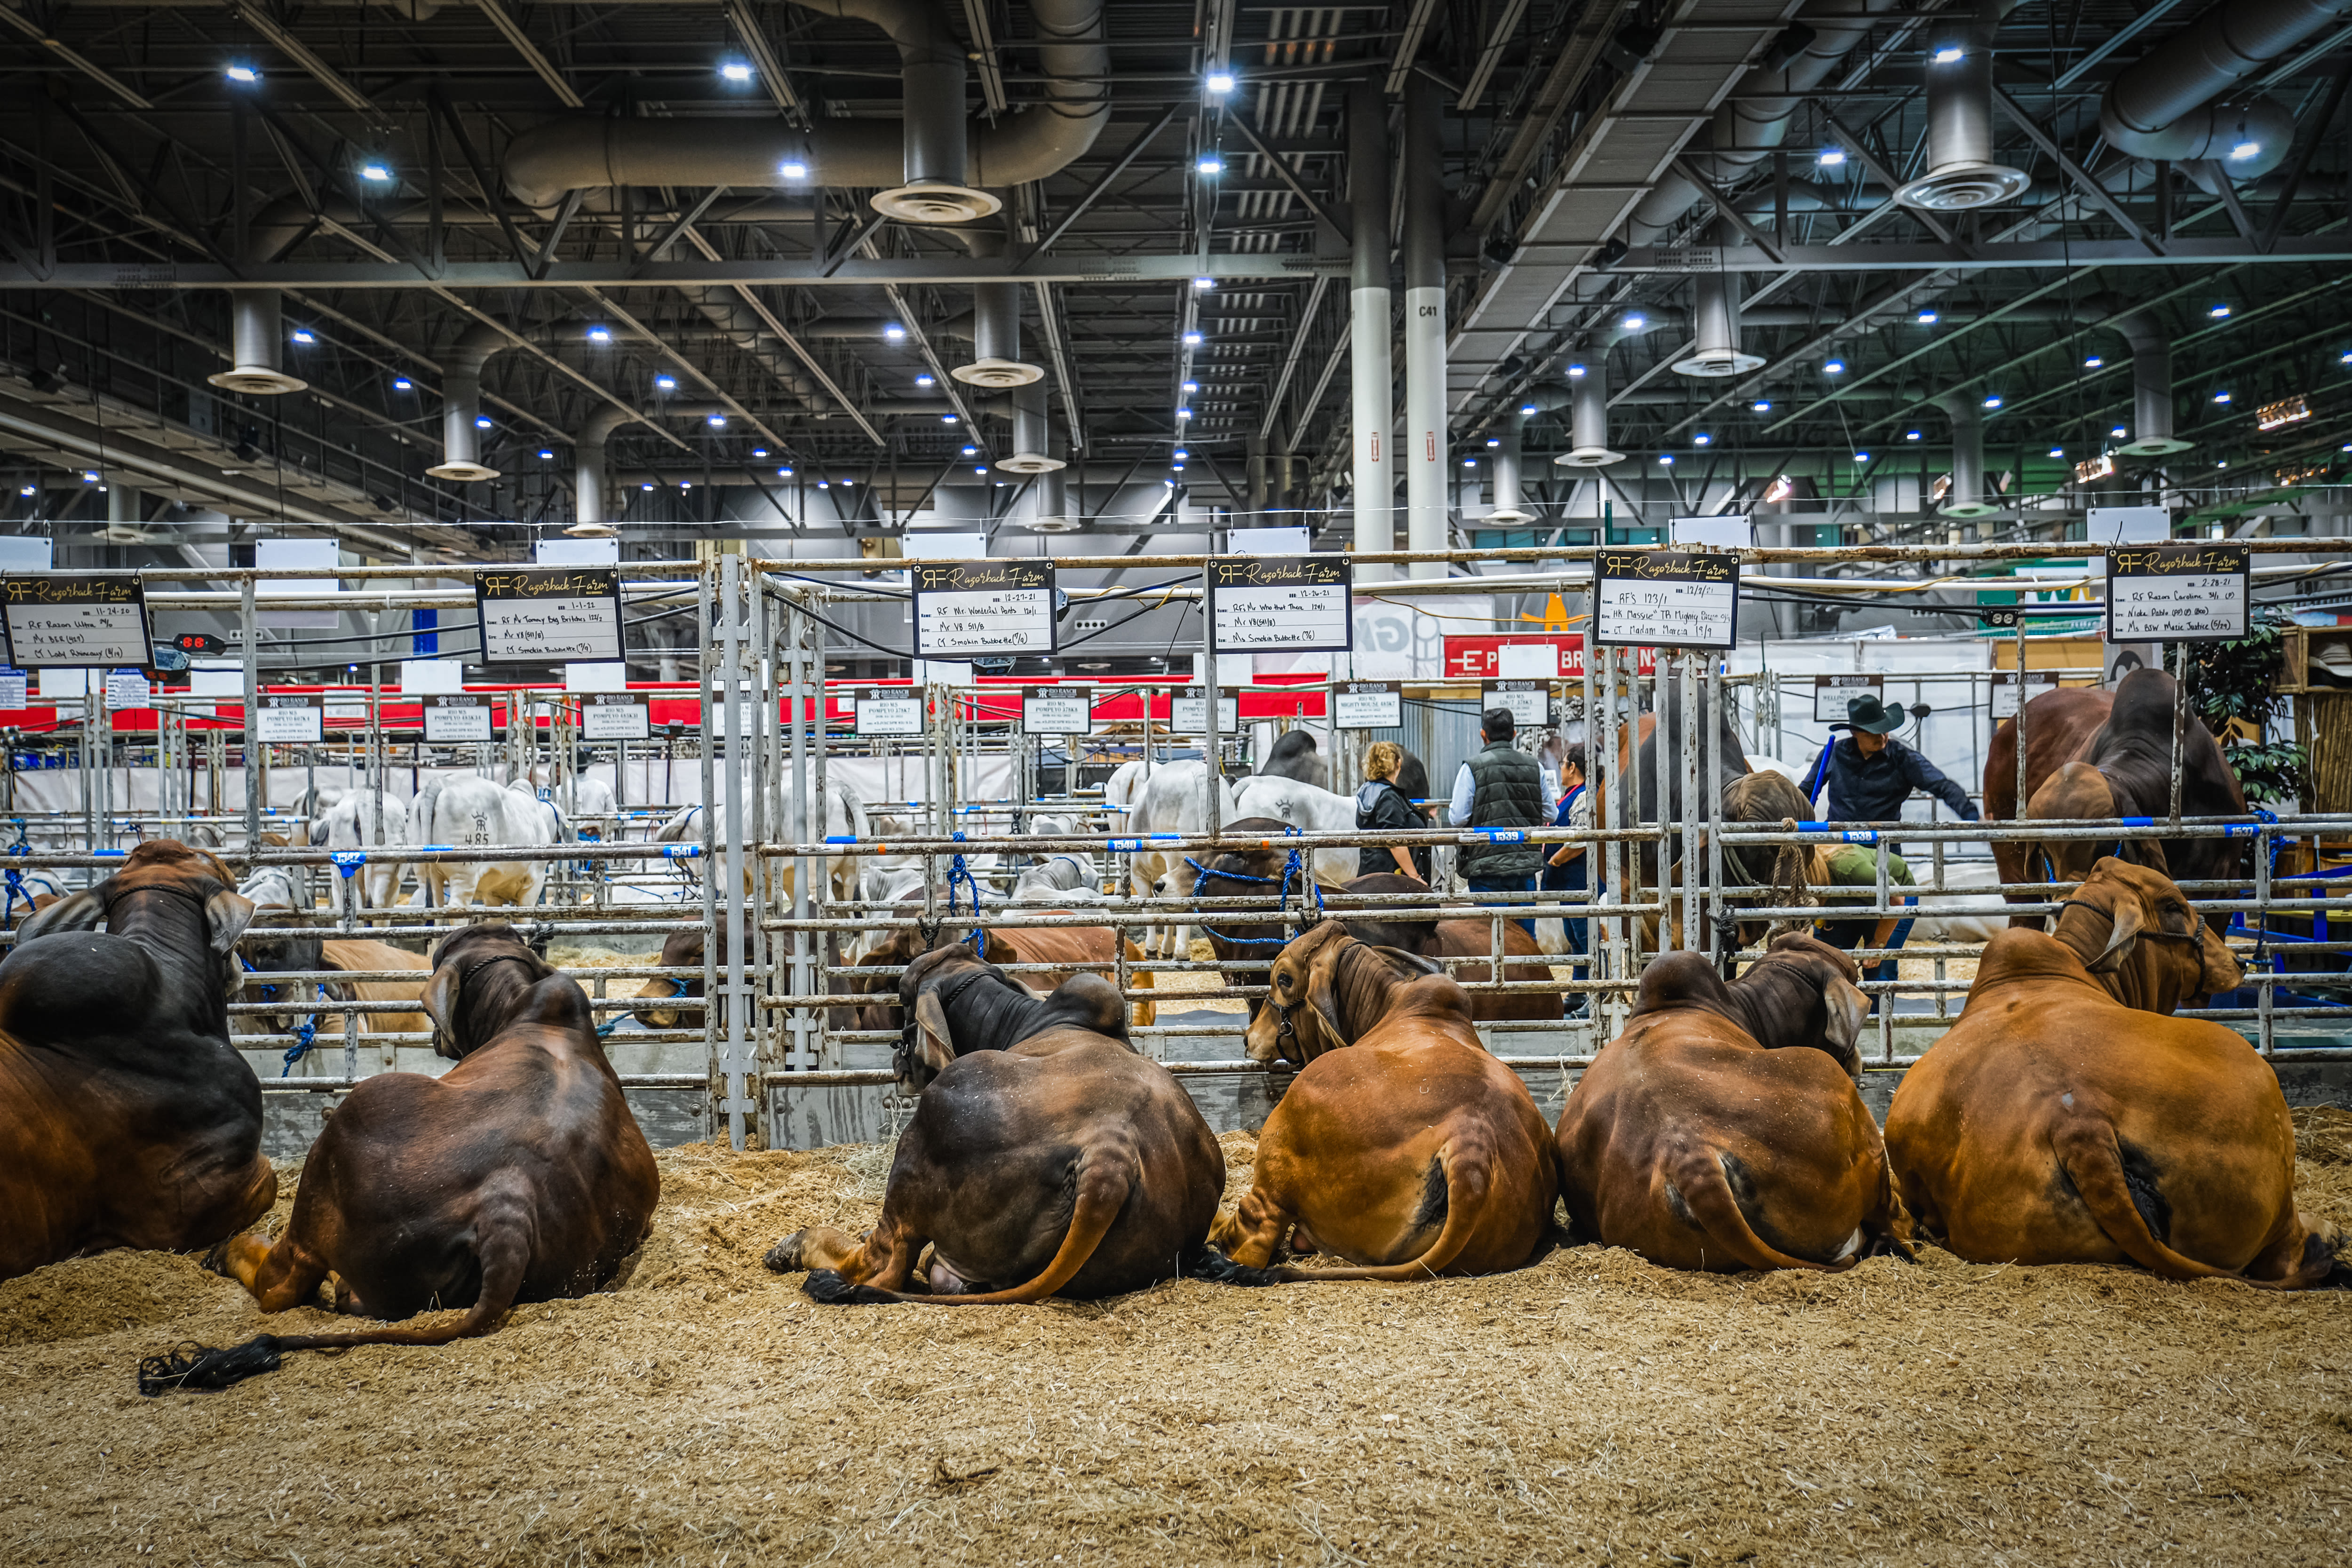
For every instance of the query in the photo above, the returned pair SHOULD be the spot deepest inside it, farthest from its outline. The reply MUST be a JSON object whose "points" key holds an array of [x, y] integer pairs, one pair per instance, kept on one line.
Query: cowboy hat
{"points": [[1867, 712]]}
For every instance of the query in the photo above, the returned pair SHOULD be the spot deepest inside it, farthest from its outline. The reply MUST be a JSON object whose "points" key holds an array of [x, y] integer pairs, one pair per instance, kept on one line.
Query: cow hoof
{"points": [[785, 1257], [216, 1260], [1216, 1268], [829, 1288]]}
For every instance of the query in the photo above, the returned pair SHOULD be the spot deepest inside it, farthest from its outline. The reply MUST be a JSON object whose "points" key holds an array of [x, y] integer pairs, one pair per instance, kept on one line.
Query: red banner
{"points": [[1478, 657]]}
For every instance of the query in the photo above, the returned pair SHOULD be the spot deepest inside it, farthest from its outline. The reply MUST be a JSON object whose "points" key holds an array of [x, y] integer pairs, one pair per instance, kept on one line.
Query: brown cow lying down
{"points": [[126, 1119], [1045, 1156], [1411, 1153], [2067, 1118], [363, 957], [519, 1175], [1722, 1130], [1087, 949]]}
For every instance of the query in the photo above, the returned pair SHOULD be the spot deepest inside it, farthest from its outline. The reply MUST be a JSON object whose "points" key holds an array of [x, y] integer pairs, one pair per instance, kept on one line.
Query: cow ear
{"points": [[931, 1023], [2222, 970], [2128, 917], [1849, 1009], [1322, 989], [439, 1001], [226, 915], [81, 911]]}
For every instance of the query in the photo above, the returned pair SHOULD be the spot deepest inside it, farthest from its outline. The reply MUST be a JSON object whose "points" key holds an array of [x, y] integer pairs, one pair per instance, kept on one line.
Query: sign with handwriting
{"points": [[1528, 700], [614, 716], [1188, 712], [1833, 692], [58, 621], [1294, 601], [452, 717], [288, 719], [1367, 705], [1666, 598], [2005, 689], [561, 615], [15, 689], [1051, 713], [964, 607], [127, 688], [886, 710], [2177, 593]]}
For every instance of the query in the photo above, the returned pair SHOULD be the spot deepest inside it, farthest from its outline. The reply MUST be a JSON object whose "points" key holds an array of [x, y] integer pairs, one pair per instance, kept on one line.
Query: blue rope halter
{"points": [[306, 1033], [15, 889], [1293, 870], [958, 871]]}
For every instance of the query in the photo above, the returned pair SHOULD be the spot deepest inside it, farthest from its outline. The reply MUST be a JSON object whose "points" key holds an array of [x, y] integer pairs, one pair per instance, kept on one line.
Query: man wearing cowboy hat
{"points": [[1870, 775]]}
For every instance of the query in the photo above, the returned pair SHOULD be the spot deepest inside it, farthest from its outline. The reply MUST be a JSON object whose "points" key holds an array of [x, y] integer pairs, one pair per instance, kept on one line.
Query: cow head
{"points": [[656, 998], [1801, 991], [486, 978], [1326, 991], [2078, 792], [2135, 933], [990, 1011], [166, 865]]}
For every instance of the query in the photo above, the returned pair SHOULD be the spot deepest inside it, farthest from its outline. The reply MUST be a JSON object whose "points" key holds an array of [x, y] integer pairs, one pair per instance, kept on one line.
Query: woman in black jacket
{"points": [[1380, 806]]}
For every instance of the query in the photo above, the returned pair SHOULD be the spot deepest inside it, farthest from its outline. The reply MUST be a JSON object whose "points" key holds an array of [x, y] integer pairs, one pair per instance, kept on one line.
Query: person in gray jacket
{"points": [[1500, 787]]}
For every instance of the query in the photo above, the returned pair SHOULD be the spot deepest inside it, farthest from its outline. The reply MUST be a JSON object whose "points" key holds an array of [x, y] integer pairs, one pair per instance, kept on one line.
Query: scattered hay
{"points": [[1590, 1408]]}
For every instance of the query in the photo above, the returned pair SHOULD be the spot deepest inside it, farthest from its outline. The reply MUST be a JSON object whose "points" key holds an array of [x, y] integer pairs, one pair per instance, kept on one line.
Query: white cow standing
{"points": [[845, 816], [1309, 810], [351, 822], [1119, 790], [1175, 800], [469, 812]]}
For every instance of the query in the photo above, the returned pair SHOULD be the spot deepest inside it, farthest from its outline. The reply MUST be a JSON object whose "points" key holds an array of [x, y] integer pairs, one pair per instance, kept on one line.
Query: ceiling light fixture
{"points": [[2245, 150], [1219, 83], [2219, 311], [1211, 164], [303, 335], [1762, 406], [1949, 54], [665, 383], [481, 421], [1702, 439], [376, 173], [735, 71], [1834, 367], [1992, 401], [793, 169], [1830, 157], [1926, 318], [2093, 363], [1191, 340], [718, 421], [402, 384], [243, 75], [600, 334]]}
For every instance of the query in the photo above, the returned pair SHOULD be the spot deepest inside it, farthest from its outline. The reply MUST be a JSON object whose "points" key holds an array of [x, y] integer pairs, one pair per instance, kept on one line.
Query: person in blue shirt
{"points": [[1566, 871]]}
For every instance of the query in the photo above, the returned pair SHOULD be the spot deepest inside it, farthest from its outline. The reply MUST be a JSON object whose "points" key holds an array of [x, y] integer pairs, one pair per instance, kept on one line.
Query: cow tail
{"points": [[1103, 1186], [1468, 1173], [2086, 1151], [504, 1255], [1707, 1192]]}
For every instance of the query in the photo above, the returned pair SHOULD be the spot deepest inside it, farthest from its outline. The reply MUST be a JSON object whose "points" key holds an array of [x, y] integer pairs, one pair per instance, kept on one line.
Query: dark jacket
{"points": [[1873, 789], [1507, 789], [1382, 807]]}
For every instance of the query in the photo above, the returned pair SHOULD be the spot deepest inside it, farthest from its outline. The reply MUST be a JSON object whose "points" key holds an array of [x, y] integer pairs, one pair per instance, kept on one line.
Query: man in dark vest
{"points": [[1501, 787]]}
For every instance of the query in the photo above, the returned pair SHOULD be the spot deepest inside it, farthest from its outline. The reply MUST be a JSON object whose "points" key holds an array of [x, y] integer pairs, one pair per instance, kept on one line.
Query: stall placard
{"points": [[2178, 593], [2005, 690], [1833, 692], [614, 716], [964, 607], [451, 718], [1051, 713], [1294, 601], [1528, 700], [1667, 598], [1367, 705], [886, 710], [286, 719], [127, 688], [15, 689], [565, 615], [1189, 713], [82, 621]]}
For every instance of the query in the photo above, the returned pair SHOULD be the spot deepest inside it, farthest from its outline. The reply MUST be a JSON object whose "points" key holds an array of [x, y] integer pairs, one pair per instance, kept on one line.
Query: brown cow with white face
{"points": [[1722, 1130], [2068, 1117], [1411, 1152]]}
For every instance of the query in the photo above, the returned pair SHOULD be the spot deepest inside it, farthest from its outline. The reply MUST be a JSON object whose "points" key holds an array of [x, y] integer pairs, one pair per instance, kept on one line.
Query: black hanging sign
{"points": [[561, 615], [62, 621]]}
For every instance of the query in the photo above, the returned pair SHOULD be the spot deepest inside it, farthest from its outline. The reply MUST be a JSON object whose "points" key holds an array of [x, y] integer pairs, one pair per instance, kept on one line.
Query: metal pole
{"points": [[2020, 709], [706, 619], [1212, 779], [1693, 939], [2180, 722], [1426, 443], [1371, 376], [1715, 806], [245, 621], [735, 1063]]}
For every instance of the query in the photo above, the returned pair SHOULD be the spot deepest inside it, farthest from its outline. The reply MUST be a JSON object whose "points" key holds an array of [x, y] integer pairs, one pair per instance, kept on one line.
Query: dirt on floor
{"points": [[1590, 1408]]}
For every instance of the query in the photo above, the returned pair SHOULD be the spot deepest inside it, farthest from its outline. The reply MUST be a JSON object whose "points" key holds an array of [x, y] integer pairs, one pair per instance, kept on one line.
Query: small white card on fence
{"points": [[614, 716], [1044, 713], [555, 616], [1528, 700], [886, 710], [600, 677], [288, 718], [424, 677], [12, 693], [1528, 661], [2005, 689], [967, 607], [452, 719], [85, 622], [1367, 705], [1294, 601], [127, 688], [1189, 713], [1666, 598], [1833, 692], [2178, 593]]}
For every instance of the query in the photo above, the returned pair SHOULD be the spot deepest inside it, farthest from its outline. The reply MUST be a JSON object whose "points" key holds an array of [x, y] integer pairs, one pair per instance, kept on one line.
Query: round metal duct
{"points": [[1714, 324], [996, 361], [1961, 174], [1589, 422], [256, 343]]}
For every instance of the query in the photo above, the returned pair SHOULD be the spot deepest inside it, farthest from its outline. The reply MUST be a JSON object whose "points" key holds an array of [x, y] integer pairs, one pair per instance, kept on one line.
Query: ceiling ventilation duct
{"points": [[1509, 505], [996, 361], [1967, 495], [1961, 174], [2151, 386], [256, 334], [589, 521], [932, 171], [1029, 454], [1715, 325], [461, 404], [2164, 105], [1588, 421], [1050, 497]]}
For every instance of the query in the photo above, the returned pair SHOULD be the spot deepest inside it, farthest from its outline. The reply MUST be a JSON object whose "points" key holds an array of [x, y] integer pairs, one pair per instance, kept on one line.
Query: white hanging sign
{"points": [[964, 607], [886, 710], [1528, 700], [127, 688], [84, 621], [2178, 593], [2005, 689], [1294, 601], [614, 716], [1051, 713], [13, 692], [1189, 713], [1666, 598], [1367, 705], [1833, 692], [553, 615], [288, 719], [451, 719]]}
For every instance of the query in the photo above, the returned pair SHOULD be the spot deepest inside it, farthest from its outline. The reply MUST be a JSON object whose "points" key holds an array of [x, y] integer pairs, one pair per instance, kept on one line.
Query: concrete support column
{"points": [[1372, 377], [1425, 457]]}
